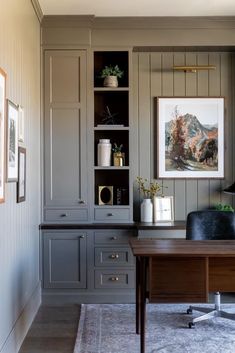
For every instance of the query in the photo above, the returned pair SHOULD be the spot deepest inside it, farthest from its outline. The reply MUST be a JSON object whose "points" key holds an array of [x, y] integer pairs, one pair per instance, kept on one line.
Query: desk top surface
{"points": [[183, 248]]}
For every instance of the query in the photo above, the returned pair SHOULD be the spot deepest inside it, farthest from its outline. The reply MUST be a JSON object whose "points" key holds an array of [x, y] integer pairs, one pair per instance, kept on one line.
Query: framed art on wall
{"points": [[12, 141], [21, 124], [21, 185], [190, 137], [2, 133]]}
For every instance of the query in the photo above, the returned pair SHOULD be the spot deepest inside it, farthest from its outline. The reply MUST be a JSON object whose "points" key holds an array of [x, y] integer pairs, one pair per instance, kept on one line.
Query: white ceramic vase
{"points": [[104, 153], [146, 211]]}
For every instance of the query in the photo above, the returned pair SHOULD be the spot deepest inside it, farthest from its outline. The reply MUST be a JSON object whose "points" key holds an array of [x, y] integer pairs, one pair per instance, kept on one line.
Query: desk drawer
{"points": [[111, 237], [112, 214], [66, 215], [114, 279], [113, 257]]}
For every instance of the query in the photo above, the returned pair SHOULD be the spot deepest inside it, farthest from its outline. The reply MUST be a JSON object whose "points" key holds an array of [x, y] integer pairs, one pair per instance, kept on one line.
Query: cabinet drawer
{"points": [[66, 215], [114, 279], [114, 214], [111, 237], [113, 257]]}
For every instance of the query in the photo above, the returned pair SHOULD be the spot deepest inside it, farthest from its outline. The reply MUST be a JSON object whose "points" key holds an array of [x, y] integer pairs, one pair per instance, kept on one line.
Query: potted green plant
{"points": [[118, 155], [111, 74]]}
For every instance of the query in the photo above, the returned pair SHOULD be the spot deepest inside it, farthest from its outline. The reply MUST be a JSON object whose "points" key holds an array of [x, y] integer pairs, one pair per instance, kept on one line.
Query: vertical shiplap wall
{"points": [[153, 76], [19, 238]]}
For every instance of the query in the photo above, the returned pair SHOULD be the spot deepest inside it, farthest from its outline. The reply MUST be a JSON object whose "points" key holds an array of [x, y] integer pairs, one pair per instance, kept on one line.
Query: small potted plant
{"points": [[111, 74], [118, 155]]}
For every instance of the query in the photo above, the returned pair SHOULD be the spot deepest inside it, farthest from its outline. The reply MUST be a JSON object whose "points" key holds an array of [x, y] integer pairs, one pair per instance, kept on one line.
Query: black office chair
{"points": [[210, 225]]}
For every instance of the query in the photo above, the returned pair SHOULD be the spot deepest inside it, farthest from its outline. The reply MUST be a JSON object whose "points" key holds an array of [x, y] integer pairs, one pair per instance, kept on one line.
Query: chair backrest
{"points": [[210, 225]]}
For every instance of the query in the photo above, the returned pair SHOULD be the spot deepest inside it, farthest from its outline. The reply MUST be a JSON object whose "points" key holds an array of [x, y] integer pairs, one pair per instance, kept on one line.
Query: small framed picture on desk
{"points": [[163, 209]]}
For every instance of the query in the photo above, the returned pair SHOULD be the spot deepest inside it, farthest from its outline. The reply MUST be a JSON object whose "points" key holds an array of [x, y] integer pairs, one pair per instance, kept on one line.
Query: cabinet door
{"points": [[64, 259], [65, 128]]}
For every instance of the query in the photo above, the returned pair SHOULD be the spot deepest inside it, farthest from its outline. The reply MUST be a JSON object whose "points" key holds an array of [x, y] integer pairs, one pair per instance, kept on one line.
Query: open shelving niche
{"points": [[117, 100]]}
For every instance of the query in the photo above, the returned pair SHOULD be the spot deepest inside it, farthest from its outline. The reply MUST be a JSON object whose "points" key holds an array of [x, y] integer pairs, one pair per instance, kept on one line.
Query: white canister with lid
{"points": [[104, 153]]}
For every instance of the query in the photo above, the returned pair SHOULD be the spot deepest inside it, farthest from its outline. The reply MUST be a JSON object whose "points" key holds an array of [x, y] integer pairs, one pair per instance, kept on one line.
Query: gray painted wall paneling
{"points": [[19, 240], [160, 80]]}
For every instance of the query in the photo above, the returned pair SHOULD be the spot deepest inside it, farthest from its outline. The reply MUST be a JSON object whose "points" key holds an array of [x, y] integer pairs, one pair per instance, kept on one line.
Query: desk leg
{"points": [[142, 303], [137, 297]]}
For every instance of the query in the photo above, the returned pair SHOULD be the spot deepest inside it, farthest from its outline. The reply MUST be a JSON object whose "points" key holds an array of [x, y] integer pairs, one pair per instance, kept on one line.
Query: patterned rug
{"points": [[110, 328]]}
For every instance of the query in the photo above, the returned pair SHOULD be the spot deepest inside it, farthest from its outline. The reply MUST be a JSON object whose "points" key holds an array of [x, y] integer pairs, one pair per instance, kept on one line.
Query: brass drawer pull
{"points": [[114, 279], [113, 238], [110, 214], [82, 202], [82, 236], [64, 215], [114, 256]]}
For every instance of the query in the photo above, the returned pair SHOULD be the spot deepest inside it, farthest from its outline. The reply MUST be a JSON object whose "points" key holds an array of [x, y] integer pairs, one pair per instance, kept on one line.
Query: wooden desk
{"points": [[176, 270]]}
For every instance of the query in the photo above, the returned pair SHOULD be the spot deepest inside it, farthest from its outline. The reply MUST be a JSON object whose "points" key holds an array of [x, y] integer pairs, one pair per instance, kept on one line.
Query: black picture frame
{"points": [[21, 184]]}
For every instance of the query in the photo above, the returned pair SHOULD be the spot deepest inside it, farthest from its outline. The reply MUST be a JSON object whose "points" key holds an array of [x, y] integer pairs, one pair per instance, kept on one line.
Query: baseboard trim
{"points": [[87, 298], [23, 323]]}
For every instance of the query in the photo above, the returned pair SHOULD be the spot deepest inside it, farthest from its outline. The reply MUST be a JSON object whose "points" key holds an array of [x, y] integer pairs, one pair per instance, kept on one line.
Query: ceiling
{"points": [[139, 7]]}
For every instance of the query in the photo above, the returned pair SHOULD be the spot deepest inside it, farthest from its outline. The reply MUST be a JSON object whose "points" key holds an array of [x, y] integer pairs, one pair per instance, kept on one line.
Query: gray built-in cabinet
{"points": [[65, 126], [87, 265]]}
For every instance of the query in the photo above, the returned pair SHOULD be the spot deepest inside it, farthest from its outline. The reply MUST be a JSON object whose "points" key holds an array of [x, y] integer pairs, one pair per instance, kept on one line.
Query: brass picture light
{"points": [[194, 68]]}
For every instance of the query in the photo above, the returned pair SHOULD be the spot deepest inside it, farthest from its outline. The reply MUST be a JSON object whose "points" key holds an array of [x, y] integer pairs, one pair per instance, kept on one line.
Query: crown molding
{"points": [[37, 9], [67, 21], [196, 22]]}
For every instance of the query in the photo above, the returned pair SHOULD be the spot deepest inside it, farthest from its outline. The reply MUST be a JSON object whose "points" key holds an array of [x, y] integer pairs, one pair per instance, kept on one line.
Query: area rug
{"points": [[110, 328]]}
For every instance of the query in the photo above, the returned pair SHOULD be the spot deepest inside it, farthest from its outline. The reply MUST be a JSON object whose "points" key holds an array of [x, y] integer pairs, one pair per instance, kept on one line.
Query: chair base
{"points": [[209, 314]]}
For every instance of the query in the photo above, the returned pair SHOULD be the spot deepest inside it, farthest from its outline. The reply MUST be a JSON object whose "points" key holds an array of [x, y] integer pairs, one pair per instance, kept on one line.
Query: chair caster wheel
{"points": [[189, 311], [191, 325]]}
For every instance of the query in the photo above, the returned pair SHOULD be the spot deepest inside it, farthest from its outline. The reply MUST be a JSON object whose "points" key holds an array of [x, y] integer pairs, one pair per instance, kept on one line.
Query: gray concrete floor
{"points": [[54, 330]]}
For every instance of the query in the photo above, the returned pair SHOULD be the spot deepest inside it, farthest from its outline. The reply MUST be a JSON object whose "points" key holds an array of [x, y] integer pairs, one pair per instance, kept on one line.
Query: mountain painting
{"points": [[190, 135]]}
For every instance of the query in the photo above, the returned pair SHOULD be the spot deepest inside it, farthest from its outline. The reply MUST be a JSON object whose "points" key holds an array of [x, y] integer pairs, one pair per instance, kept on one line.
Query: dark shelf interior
{"points": [[107, 58], [116, 102], [116, 136], [120, 182]]}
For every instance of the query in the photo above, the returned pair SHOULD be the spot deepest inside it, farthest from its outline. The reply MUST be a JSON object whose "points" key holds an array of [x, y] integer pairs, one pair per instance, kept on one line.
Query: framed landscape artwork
{"points": [[190, 137], [21, 185], [12, 141], [2, 132]]}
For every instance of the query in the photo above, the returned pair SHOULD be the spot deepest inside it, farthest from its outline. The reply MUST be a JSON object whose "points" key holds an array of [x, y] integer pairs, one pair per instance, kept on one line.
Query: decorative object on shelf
{"points": [[111, 74], [3, 78], [104, 153], [21, 124], [21, 184], [146, 211], [118, 155], [187, 140], [122, 196], [163, 209], [105, 195], [222, 207], [108, 117], [12, 141], [149, 190]]}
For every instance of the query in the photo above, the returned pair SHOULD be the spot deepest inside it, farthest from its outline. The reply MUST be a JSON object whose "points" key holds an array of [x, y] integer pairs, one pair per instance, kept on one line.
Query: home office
{"points": [[87, 212]]}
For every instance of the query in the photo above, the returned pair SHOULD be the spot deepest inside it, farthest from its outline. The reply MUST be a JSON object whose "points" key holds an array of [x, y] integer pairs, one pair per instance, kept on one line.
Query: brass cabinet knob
{"points": [[114, 279], [82, 236], [114, 256], [82, 202], [113, 238], [64, 215]]}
